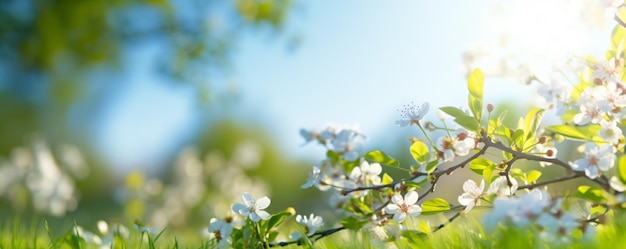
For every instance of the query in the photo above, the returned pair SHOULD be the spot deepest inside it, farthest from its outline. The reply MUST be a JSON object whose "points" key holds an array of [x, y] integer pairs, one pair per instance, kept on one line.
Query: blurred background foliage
{"points": [[55, 54], [62, 62]]}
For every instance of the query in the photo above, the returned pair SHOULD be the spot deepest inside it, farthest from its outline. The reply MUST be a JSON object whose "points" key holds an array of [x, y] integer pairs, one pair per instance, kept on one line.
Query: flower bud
{"points": [[543, 139], [490, 107]]}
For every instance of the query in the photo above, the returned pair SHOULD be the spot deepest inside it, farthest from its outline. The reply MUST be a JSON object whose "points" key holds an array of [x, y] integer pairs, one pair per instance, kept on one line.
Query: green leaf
{"points": [[468, 123], [360, 207], [414, 237], [382, 158], [431, 166], [352, 223], [619, 32], [597, 211], [271, 236], [453, 111], [475, 85], [576, 132], [531, 122], [333, 156], [276, 219], [412, 184], [435, 206], [518, 138], [386, 179], [478, 165], [517, 173], [419, 151], [621, 169], [533, 175], [424, 227], [487, 173], [589, 193]]}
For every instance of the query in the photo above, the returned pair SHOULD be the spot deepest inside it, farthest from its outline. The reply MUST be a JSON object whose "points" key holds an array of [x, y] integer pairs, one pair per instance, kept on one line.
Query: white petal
{"points": [[482, 186], [399, 217], [391, 209], [240, 209], [262, 203], [247, 199], [254, 217], [410, 197], [580, 164], [617, 184], [465, 199], [424, 109], [397, 199], [469, 207], [403, 123], [375, 168], [299, 218], [469, 186], [581, 119], [263, 214], [591, 172], [414, 210]]}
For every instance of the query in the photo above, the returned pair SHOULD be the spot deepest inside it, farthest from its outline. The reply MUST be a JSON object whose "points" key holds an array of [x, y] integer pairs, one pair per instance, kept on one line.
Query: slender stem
{"points": [[450, 220], [313, 237], [560, 179], [426, 135]]}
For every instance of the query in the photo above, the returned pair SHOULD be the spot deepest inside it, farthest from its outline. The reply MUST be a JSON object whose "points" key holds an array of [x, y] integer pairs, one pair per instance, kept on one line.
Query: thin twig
{"points": [[560, 179]]}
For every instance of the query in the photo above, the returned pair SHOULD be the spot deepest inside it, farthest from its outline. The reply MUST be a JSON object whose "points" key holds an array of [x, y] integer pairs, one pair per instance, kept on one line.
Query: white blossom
{"points": [[252, 208], [401, 207], [595, 158], [471, 196], [412, 114], [500, 186], [311, 223]]}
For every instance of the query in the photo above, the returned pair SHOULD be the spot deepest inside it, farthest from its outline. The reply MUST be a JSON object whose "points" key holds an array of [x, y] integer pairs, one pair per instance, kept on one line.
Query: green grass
{"points": [[465, 232]]}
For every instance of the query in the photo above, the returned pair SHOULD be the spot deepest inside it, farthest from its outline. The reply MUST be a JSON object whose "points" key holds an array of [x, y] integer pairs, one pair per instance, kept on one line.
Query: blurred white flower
{"points": [[500, 186], [52, 190], [252, 208], [221, 230], [610, 132], [311, 223], [89, 237], [518, 211], [617, 184], [595, 158], [366, 174], [471, 196]]}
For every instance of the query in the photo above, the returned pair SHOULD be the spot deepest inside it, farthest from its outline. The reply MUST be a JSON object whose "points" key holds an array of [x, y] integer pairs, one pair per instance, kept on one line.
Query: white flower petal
{"points": [[397, 199], [399, 217], [392, 209], [591, 172], [263, 214], [262, 203], [410, 197], [414, 210], [240, 209], [465, 199], [247, 199]]}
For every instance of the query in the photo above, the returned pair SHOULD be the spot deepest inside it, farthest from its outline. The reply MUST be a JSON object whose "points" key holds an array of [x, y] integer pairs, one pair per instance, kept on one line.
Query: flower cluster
{"points": [[536, 208], [50, 184], [342, 140]]}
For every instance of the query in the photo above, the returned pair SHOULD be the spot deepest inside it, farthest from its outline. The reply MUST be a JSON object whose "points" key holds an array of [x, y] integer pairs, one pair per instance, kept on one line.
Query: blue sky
{"points": [[359, 62]]}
